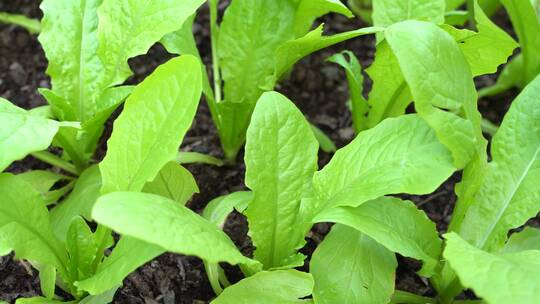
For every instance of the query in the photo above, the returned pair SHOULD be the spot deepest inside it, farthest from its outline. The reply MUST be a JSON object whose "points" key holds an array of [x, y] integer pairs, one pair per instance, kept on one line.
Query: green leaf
{"points": [[122, 261], [173, 182], [219, 208], [309, 10], [281, 158], [509, 192], [511, 76], [81, 246], [486, 50], [292, 51], [400, 155], [32, 25], [70, 42], [182, 42], [22, 133], [353, 71], [424, 49], [528, 239], [350, 267], [47, 280], [519, 284], [388, 12], [269, 287], [42, 180], [527, 26], [247, 59], [390, 94], [128, 29], [325, 142], [162, 108], [79, 202], [398, 225], [142, 215], [106, 297], [24, 225], [197, 158]]}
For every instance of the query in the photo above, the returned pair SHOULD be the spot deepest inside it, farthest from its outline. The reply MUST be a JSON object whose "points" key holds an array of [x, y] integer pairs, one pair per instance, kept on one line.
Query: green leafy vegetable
{"points": [[281, 158], [384, 160], [268, 287], [176, 87], [350, 267], [142, 216], [519, 284], [23, 133], [174, 182], [397, 225]]}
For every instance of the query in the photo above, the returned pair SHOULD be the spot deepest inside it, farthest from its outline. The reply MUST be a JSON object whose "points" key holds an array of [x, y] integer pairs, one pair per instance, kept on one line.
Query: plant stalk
{"points": [[56, 161]]}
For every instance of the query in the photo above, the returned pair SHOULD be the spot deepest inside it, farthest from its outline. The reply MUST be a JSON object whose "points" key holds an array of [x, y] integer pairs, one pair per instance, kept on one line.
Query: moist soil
{"points": [[318, 88]]}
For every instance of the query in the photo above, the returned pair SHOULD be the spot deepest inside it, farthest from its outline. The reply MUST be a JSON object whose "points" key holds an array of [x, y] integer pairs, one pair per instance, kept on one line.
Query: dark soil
{"points": [[319, 89]]}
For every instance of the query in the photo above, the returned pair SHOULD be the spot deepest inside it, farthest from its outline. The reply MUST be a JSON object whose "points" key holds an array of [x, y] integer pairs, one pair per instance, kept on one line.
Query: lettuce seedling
{"points": [[57, 239], [248, 64], [493, 199], [390, 95], [401, 155], [87, 48], [525, 17]]}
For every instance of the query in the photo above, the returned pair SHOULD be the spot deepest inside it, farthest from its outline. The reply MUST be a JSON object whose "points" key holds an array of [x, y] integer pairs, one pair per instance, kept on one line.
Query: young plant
{"points": [[525, 17], [390, 95], [493, 198], [401, 155], [55, 237], [253, 47]]}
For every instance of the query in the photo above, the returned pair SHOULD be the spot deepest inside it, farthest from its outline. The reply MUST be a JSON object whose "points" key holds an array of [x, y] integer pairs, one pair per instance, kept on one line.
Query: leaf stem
{"points": [[214, 34], [401, 297], [56, 161]]}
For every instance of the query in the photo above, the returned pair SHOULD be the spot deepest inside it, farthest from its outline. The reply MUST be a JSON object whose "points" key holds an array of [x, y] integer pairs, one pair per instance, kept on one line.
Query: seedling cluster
{"points": [[417, 126]]}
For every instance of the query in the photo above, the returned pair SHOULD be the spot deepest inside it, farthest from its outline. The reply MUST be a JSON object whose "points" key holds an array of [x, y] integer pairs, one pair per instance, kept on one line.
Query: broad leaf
{"points": [[519, 284], [350, 267], [128, 255], [22, 133], [219, 208], [509, 193], [269, 287], [174, 182], [24, 225], [128, 29], [527, 26], [165, 223], [81, 246], [400, 155], [292, 51], [390, 94], [79, 202], [398, 225], [247, 59], [150, 129], [486, 50], [69, 38], [281, 158], [528, 239], [441, 83], [388, 12], [309, 10], [42, 180]]}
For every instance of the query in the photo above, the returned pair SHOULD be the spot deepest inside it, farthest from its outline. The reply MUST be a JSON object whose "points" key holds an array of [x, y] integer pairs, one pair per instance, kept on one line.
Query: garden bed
{"points": [[318, 88]]}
